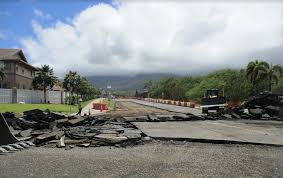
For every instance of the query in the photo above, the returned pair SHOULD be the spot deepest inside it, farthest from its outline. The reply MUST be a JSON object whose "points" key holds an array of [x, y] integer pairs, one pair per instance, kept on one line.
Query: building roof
{"points": [[57, 88], [13, 54]]}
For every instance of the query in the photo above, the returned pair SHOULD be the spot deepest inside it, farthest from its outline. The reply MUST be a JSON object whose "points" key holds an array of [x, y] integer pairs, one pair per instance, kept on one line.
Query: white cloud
{"points": [[40, 14], [135, 37]]}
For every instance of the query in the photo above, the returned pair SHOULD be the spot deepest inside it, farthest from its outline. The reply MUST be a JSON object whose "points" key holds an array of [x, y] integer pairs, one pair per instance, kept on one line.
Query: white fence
{"points": [[31, 96], [6, 96]]}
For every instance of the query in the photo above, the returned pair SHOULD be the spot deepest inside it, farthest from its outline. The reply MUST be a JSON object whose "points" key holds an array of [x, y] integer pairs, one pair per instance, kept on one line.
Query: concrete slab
{"points": [[244, 131]]}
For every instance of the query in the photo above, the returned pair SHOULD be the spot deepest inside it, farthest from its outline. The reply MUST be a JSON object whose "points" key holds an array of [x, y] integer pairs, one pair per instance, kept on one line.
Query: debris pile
{"points": [[44, 127], [266, 106]]}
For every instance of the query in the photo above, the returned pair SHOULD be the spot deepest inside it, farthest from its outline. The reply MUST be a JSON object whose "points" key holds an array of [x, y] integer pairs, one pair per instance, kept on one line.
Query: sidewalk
{"points": [[87, 110]]}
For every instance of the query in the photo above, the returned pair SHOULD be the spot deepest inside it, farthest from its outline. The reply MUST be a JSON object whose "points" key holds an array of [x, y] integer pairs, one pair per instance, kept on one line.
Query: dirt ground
{"points": [[127, 108]]}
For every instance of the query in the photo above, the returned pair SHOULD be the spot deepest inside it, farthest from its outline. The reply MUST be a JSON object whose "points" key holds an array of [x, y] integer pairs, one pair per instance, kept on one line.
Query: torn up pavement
{"points": [[55, 129], [266, 106]]}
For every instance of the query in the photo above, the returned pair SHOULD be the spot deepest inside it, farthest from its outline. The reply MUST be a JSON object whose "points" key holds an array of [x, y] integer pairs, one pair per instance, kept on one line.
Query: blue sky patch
{"points": [[16, 16]]}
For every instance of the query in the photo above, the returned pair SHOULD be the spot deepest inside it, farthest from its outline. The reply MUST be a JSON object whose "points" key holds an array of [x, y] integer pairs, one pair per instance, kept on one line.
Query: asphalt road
{"points": [[156, 159], [168, 107], [244, 131]]}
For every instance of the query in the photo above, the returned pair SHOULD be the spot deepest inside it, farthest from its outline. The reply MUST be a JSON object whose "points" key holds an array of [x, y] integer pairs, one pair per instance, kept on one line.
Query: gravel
{"points": [[155, 159]]}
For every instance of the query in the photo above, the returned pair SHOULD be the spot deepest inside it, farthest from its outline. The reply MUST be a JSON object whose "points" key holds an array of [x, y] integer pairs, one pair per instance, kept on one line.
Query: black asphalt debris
{"points": [[266, 106], [66, 131]]}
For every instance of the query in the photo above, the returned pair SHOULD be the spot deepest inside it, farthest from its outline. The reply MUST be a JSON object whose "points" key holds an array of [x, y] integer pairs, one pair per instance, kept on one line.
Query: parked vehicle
{"points": [[212, 101]]}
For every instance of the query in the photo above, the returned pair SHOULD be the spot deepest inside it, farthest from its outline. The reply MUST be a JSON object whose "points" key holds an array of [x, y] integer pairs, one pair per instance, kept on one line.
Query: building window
{"points": [[31, 72], [17, 69], [23, 71], [7, 67], [2, 65], [24, 87], [18, 86]]}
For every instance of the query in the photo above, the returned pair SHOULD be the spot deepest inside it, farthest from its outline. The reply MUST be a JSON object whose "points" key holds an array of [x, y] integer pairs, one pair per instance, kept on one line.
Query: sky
{"points": [[133, 37]]}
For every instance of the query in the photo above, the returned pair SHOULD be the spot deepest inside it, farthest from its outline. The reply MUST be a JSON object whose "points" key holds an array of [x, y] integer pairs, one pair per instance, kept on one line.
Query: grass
{"points": [[86, 103], [64, 108], [19, 108]]}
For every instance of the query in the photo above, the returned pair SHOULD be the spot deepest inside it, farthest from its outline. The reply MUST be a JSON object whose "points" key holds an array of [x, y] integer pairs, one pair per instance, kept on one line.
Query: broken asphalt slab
{"points": [[242, 131]]}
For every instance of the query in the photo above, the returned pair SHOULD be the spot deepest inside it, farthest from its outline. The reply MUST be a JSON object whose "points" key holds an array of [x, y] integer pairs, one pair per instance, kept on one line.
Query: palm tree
{"points": [[254, 70], [44, 79], [71, 83], [271, 73]]}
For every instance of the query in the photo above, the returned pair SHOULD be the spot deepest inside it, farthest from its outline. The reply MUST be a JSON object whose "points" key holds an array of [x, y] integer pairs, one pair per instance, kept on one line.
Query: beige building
{"points": [[18, 73]]}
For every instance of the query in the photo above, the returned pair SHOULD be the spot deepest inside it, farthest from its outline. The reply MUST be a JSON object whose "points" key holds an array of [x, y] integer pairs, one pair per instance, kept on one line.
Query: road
{"points": [[157, 159], [221, 131], [172, 108], [129, 108]]}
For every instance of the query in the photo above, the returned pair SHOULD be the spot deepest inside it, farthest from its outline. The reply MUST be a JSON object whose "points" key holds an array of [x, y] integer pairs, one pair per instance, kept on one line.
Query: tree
{"points": [[86, 89], [271, 73], [230, 81], [279, 87], [168, 88], [148, 85], [2, 74], [82, 87], [71, 83], [44, 79], [253, 72]]}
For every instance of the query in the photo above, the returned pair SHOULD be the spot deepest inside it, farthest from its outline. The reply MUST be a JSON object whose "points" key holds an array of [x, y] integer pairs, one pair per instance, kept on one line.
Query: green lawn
{"points": [[86, 103], [19, 108]]}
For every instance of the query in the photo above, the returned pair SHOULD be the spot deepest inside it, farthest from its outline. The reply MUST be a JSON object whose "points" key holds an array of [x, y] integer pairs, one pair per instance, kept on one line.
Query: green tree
{"points": [[2, 74], [168, 88], [71, 83], [82, 86], [279, 87], [44, 79], [147, 85], [253, 72], [230, 81], [271, 73], [86, 89]]}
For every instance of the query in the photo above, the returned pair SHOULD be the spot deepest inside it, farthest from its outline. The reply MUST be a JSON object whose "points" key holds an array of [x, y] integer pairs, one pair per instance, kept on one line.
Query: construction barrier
{"points": [[172, 102], [100, 106]]}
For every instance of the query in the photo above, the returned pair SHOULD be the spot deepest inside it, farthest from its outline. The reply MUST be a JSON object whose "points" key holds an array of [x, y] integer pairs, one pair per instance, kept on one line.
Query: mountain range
{"points": [[121, 82]]}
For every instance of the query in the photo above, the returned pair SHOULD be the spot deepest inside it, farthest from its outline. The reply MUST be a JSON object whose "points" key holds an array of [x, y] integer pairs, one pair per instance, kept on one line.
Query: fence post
{"points": [[14, 95], [62, 99]]}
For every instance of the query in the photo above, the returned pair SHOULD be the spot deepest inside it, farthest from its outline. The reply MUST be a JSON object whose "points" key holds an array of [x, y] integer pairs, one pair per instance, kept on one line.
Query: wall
{"points": [[24, 71], [23, 82], [5, 95], [31, 96], [9, 81], [16, 77]]}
